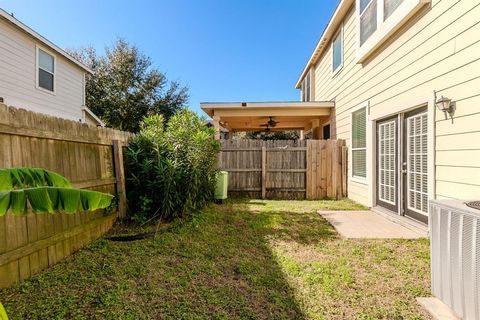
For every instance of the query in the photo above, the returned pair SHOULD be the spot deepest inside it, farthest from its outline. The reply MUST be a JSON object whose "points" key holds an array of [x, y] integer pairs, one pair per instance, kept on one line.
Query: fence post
{"points": [[344, 170], [120, 178], [308, 173], [264, 172]]}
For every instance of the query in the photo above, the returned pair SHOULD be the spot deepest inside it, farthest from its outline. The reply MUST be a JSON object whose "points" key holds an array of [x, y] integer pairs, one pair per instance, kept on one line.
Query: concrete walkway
{"points": [[368, 225]]}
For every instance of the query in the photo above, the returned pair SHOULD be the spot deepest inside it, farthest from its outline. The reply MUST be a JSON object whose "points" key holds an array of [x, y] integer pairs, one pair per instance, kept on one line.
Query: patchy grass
{"points": [[244, 259]]}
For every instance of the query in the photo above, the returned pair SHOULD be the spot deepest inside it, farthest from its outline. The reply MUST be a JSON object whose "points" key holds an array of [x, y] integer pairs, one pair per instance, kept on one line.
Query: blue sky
{"points": [[223, 50]]}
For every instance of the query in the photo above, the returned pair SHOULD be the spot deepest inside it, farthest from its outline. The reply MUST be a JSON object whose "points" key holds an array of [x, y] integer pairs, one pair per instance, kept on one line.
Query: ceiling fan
{"points": [[271, 123]]}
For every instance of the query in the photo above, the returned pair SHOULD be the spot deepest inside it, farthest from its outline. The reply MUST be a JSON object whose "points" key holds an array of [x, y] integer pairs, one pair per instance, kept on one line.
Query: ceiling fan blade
{"points": [[271, 122]]}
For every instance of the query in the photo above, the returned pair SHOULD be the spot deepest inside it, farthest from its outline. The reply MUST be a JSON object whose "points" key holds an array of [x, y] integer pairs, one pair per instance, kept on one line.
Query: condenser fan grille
{"points": [[473, 204]]}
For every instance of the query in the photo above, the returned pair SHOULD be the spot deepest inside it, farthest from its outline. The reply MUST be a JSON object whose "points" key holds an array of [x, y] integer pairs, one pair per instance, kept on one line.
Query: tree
{"points": [[272, 135], [126, 87]]}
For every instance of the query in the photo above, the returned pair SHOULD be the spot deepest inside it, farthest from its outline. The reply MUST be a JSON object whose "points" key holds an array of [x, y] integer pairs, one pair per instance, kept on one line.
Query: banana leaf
{"points": [[69, 199], [3, 313], [5, 180], [41, 201], [4, 201], [13, 178], [52, 199], [18, 201], [45, 191]]}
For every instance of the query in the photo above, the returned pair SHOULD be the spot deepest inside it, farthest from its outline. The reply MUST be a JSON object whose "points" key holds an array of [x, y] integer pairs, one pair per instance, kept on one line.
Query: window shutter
{"points": [[359, 143], [359, 130], [359, 163]]}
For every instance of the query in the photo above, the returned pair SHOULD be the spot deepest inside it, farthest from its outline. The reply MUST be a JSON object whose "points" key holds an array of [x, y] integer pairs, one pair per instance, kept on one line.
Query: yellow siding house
{"points": [[405, 79]]}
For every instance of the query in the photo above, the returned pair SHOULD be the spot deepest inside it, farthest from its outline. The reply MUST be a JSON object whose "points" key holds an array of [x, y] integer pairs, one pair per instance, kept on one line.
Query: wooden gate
{"points": [[285, 169]]}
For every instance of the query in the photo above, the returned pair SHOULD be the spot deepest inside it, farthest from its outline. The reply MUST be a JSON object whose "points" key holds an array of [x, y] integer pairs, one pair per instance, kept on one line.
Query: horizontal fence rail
{"points": [[90, 157], [285, 169]]}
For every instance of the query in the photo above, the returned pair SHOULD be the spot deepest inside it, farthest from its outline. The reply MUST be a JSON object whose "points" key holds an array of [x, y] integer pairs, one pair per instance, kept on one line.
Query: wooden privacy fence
{"points": [[88, 156], [285, 169]]}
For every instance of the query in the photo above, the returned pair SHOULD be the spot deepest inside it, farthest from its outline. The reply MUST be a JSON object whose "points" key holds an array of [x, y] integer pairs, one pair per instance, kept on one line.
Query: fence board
{"points": [[285, 169], [84, 154]]}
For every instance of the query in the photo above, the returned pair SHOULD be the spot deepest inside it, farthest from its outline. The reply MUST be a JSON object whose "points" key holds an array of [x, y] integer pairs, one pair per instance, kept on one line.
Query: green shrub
{"points": [[170, 168]]}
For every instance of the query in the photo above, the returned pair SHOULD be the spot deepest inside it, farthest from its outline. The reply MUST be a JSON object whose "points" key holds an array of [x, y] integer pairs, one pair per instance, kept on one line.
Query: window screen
{"points": [[368, 21], [389, 6], [359, 143], [306, 88], [337, 51], [364, 4], [46, 70]]}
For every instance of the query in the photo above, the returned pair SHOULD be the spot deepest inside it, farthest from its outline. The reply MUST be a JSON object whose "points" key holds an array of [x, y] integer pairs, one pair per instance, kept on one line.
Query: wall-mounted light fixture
{"points": [[446, 106], [1, 99]]}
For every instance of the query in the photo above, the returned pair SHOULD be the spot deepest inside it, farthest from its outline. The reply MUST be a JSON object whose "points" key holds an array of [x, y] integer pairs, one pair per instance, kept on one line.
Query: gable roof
{"points": [[342, 9], [20, 25]]}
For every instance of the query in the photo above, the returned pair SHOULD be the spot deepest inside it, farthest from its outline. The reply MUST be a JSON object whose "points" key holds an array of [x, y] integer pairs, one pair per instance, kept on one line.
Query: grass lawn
{"points": [[246, 259]]}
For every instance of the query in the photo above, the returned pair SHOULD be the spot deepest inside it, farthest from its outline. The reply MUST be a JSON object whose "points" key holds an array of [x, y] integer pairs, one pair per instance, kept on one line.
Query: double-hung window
{"points": [[337, 51], [377, 20], [359, 143], [368, 19], [306, 87], [45, 70], [389, 6]]}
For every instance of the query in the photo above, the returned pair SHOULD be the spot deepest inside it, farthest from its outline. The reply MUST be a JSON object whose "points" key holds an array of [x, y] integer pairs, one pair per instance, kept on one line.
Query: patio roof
{"points": [[252, 116]]}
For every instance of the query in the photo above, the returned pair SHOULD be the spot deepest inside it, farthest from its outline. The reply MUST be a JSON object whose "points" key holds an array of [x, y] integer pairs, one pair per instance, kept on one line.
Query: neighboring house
{"points": [[386, 64], [37, 75]]}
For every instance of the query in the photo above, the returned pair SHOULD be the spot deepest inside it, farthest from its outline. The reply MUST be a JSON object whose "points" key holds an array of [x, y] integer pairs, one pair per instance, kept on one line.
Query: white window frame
{"points": [[37, 67], [340, 67], [385, 28], [362, 180]]}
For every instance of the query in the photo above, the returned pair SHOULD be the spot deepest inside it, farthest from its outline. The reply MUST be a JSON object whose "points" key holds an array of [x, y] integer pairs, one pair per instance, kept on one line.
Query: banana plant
{"points": [[3, 313], [45, 191]]}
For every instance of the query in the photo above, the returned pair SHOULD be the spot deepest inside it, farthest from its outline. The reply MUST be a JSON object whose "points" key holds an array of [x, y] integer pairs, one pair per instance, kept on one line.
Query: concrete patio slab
{"points": [[368, 225], [437, 309]]}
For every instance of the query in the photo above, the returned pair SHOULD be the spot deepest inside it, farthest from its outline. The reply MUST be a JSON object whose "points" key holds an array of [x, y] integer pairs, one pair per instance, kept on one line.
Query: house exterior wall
{"points": [[438, 49], [18, 77]]}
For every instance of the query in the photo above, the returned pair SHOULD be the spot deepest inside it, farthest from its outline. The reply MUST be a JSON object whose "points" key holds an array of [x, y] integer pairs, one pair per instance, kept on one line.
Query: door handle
{"points": [[404, 167]]}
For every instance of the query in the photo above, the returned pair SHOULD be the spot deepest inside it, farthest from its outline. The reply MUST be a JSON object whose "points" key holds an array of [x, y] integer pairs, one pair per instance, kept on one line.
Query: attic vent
{"points": [[244, 104]]}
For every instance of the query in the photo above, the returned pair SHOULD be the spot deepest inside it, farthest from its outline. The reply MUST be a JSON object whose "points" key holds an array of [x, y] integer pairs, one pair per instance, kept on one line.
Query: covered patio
{"points": [[307, 117]]}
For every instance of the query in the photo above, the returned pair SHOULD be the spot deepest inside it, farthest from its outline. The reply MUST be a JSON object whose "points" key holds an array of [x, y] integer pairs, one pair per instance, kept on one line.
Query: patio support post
{"points": [[316, 129], [216, 125]]}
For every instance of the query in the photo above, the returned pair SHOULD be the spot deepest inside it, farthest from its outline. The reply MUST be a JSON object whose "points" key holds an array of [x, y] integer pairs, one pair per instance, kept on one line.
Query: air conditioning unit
{"points": [[455, 256]]}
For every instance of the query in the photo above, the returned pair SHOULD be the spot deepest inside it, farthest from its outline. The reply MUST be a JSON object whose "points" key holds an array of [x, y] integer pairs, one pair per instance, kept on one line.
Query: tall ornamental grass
{"points": [[171, 167]]}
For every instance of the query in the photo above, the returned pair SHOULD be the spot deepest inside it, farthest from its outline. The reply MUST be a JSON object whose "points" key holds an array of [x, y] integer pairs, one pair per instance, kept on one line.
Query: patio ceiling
{"points": [[252, 116]]}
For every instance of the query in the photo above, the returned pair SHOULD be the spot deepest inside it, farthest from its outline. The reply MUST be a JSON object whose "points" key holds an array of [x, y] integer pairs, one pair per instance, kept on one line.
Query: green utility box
{"points": [[222, 185]]}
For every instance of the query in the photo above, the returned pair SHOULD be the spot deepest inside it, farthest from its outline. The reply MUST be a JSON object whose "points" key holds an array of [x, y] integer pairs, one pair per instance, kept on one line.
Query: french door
{"points": [[402, 164], [416, 165], [387, 164]]}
